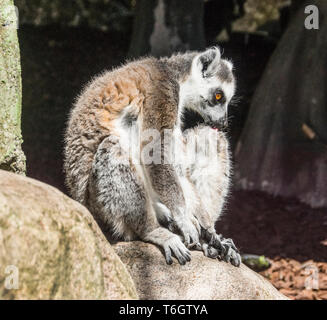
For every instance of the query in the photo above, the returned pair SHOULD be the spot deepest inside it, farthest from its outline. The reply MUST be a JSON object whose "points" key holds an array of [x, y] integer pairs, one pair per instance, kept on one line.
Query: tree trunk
{"points": [[162, 27], [11, 155], [283, 147]]}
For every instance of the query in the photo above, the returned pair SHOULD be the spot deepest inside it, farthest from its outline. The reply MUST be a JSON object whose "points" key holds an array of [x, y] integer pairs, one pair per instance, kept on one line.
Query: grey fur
{"points": [[224, 72]]}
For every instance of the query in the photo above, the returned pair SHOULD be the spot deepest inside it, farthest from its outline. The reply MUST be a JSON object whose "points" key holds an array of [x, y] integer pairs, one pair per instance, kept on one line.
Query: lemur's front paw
{"points": [[190, 230], [224, 249], [174, 246]]}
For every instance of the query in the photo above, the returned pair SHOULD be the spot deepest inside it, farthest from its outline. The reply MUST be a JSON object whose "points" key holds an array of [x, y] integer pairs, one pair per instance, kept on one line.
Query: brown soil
{"points": [[292, 235]]}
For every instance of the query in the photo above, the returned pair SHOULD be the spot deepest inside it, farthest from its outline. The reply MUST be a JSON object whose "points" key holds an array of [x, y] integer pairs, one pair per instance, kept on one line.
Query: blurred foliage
{"points": [[255, 262], [258, 13], [100, 14]]}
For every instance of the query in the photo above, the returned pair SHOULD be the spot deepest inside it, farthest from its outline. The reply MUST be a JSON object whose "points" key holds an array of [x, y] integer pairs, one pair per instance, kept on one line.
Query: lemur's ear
{"points": [[207, 62]]}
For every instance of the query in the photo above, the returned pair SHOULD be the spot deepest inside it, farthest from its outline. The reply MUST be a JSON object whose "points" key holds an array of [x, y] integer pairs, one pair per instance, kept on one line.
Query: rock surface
{"points": [[57, 248], [202, 278]]}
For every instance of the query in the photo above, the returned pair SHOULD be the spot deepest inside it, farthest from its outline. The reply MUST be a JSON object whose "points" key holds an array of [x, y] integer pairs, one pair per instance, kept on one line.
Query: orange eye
{"points": [[218, 96]]}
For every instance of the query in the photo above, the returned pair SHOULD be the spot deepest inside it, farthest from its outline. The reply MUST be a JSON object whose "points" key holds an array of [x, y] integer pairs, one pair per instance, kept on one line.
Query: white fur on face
{"points": [[199, 85]]}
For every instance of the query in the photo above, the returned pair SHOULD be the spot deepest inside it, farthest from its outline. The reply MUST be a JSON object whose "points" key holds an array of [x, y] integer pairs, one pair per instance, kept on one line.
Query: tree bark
{"points": [[162, 27], [11, 155], [283, 147]]}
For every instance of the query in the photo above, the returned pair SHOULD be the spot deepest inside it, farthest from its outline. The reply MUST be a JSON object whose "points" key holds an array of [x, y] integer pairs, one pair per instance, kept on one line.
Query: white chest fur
{"points": [[207, 169]]}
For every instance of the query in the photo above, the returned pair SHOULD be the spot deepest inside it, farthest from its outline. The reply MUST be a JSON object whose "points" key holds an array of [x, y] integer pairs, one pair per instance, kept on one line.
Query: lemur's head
{"points": [[208, 88]]}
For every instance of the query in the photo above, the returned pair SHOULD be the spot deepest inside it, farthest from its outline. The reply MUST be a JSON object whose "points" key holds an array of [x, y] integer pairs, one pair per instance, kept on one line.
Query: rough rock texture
{"points": [[57, 247], [12, 157], [202, 278]]}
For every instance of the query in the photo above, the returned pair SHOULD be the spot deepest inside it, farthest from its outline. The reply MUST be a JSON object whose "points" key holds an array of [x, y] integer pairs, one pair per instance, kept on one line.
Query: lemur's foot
{"points": [[223, 249], [174, 246], [232, 255], [209, 251]]}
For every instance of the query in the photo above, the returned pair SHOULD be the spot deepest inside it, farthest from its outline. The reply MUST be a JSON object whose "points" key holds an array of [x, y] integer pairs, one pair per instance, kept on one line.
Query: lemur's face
{"points": [[209, 88]]}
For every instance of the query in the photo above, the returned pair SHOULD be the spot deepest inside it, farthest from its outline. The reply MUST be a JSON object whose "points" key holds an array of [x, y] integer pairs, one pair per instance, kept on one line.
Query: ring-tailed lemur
{"points": [[106, 169]]}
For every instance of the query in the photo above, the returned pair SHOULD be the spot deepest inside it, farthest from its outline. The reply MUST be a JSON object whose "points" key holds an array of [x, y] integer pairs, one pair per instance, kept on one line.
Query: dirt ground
{"points": [[290, 234]]}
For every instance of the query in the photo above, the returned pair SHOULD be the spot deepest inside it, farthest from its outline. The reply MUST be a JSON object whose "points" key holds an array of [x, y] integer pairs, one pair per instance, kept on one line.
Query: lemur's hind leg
{"points": [[117, 197]]}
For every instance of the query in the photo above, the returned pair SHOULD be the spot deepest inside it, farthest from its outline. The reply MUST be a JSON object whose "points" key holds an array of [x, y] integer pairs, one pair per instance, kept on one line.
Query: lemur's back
{"points": [[95, 111]]}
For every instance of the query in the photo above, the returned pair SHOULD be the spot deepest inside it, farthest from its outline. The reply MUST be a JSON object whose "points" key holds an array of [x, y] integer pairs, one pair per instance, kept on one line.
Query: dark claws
{"points": [[169, 260], [221, 248]]}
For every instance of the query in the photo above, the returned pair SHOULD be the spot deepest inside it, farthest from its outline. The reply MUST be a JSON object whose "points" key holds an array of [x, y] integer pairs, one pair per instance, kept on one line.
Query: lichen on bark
{"points": [[12, 157]]}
